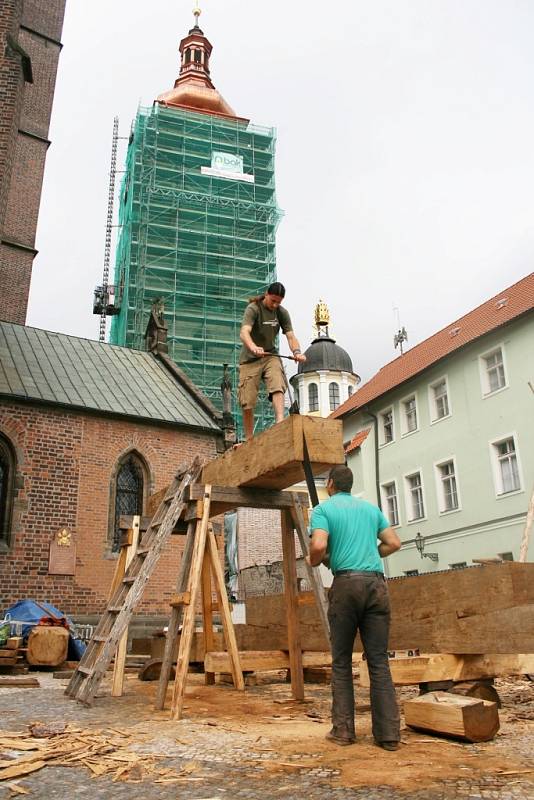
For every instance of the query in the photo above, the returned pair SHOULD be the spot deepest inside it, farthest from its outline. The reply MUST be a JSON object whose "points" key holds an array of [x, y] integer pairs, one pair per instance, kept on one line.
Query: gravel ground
{"points": [[236, 757]]}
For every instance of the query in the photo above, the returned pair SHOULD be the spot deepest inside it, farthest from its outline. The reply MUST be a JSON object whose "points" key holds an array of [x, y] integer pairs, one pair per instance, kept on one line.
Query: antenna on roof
{"points": [[401, 335]]}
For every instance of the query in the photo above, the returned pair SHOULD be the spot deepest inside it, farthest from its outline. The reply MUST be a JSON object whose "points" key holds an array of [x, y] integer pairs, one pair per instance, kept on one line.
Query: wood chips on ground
{"points": [[102, 752]]}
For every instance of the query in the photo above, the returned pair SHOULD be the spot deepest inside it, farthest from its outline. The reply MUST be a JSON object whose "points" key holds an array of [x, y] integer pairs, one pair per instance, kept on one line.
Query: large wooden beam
{"points": [[260, 660], [450, 667], [227, 498], [487, 609], [273, 459]]}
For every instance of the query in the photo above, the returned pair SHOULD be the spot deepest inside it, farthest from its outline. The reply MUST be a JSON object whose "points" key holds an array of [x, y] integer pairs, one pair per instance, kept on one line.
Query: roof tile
{"points": [[58, 369], [495, 312]]}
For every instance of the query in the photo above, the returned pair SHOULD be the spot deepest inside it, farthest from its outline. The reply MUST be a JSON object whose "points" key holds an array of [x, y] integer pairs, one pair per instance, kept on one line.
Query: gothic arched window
{"points": [[333, 396], [129, 493], [7, 483], [313, 397]]}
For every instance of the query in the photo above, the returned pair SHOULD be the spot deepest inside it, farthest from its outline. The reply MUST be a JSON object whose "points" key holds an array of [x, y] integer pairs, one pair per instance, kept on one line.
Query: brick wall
{"points": [[66, 461], [15, 274], [26, 110], [11, 92]]}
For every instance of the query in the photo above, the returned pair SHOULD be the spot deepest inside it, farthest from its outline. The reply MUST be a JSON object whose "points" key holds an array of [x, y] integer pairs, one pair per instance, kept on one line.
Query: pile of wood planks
{"points": [[12, 657]]}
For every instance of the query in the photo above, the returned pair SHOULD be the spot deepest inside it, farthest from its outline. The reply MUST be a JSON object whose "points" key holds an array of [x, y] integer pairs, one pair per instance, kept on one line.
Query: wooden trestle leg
{"points": [[188, 625], [207, 613], [175, 618], [290, 590], [212, 555], [120, 654]]}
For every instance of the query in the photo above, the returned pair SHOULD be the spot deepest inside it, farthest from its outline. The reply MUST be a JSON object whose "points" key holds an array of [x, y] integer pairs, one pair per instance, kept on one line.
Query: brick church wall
{"points": [[66, 461], [26, 109]]}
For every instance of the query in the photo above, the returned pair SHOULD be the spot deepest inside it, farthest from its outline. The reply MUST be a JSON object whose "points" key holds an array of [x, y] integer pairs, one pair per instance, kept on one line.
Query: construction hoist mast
{"points": [[104, 298]]}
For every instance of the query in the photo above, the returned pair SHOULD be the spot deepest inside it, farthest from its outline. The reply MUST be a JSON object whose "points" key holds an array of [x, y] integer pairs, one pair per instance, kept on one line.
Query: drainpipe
{"points": [[377, 467]]}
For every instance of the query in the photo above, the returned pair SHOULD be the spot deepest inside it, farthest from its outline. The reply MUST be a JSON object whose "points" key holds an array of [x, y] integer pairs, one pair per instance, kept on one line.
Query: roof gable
{"points": [[491, 315], [57, 369]]}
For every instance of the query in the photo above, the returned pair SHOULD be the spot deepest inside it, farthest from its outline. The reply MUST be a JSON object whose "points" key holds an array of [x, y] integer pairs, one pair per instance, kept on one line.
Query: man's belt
{"points": [[364, 572]]}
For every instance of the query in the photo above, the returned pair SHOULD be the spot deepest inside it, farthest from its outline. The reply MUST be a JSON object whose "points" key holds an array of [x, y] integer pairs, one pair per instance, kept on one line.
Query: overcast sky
{"points": [[405, 152]]}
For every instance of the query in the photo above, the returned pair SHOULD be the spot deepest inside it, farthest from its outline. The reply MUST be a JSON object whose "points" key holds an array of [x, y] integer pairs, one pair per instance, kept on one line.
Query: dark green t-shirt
{"points": [[265, 326]]}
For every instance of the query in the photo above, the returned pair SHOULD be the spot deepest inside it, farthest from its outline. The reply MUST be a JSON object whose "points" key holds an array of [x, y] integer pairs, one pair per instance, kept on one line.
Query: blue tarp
{"points": [[29, 613]]}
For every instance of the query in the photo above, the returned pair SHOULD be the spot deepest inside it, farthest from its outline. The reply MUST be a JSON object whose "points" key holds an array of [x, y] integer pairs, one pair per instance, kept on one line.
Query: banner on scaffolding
{"points": [[227, 165]]}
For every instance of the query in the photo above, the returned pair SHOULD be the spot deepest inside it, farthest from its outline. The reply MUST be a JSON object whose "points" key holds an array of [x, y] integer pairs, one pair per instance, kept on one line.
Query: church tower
{"points": [[198, 217], [326, 379]]}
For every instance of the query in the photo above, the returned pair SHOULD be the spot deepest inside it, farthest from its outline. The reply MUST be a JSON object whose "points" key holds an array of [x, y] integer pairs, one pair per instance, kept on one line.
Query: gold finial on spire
{"points": [[322, 318], [196, 12]]}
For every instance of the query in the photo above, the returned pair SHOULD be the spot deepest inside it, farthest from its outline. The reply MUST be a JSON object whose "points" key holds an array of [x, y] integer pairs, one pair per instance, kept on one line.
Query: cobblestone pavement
{"points": [[231, 760]]}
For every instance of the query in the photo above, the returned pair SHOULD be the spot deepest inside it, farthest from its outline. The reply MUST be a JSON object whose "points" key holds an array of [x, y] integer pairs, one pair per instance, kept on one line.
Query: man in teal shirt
{"points": [[345, 532]]}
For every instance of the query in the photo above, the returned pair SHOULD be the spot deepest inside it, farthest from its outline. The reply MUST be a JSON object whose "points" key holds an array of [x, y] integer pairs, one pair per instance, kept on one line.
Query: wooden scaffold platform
{"points": [[255, 475]]}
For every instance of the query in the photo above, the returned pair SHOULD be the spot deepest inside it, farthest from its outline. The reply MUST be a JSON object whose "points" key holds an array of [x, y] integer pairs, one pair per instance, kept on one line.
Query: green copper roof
{"points": [[64, 370]]}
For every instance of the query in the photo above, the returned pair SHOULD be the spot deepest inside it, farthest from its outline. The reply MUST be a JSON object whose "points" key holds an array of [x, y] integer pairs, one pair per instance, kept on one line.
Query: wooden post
{"points": [[226, 615], [120, 653], [207, 611], [188, 626], [290, 590]]}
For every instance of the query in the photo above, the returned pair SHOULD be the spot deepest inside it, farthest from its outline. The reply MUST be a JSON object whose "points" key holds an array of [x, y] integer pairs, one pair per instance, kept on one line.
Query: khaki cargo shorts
{"points": [[251, 374]]}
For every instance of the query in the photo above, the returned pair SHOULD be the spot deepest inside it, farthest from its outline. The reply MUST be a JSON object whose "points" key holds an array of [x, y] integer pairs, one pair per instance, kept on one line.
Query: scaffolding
{"points": [[200, 240]]}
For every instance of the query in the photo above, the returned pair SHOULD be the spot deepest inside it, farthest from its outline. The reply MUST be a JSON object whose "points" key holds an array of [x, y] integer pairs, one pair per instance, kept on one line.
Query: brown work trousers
{"points": [[360, 602]]}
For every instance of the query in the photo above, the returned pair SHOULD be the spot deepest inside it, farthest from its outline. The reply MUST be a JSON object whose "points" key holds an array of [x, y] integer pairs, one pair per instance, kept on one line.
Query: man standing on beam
{"points": [[263, 318], [345, 530]]}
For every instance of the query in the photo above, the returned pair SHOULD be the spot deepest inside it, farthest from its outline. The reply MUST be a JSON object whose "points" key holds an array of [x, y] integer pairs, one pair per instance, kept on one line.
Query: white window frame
{"points": [[432, 406], [330, 401], [484, 381], [495, 467], [381, 439], [315, 410], [384, 496], [404, 430], [408, 496], [440, 494]]}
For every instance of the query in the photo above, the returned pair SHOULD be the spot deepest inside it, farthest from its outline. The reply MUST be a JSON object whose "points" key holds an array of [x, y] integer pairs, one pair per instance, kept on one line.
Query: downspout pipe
{"points": [[377, 465]]}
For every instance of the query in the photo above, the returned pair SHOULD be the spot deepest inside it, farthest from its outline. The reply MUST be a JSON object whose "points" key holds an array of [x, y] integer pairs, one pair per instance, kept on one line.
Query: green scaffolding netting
{"points": [[201, 241]]}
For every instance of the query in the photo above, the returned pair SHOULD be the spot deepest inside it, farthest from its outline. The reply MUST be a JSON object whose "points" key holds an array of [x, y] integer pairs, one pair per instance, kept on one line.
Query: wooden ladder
{"points": [[84, 684], [199, 562]]}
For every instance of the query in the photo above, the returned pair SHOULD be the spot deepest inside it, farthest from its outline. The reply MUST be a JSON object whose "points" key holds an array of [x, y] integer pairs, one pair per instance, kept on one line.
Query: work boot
{"points": [[389, 745], [341, 740]]}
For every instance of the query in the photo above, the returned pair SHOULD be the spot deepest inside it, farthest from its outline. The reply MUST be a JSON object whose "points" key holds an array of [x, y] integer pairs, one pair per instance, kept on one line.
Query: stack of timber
{"points": [[485, 609], [12, 657], [465, 718]]}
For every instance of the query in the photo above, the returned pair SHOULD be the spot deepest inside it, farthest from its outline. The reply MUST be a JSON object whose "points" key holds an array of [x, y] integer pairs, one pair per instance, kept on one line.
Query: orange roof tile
{"points": [[495, 312], [357, 440]]}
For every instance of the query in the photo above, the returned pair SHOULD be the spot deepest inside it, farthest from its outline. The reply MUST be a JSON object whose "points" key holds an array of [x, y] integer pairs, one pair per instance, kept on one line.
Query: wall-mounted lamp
{"points": [[420, 545]]}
